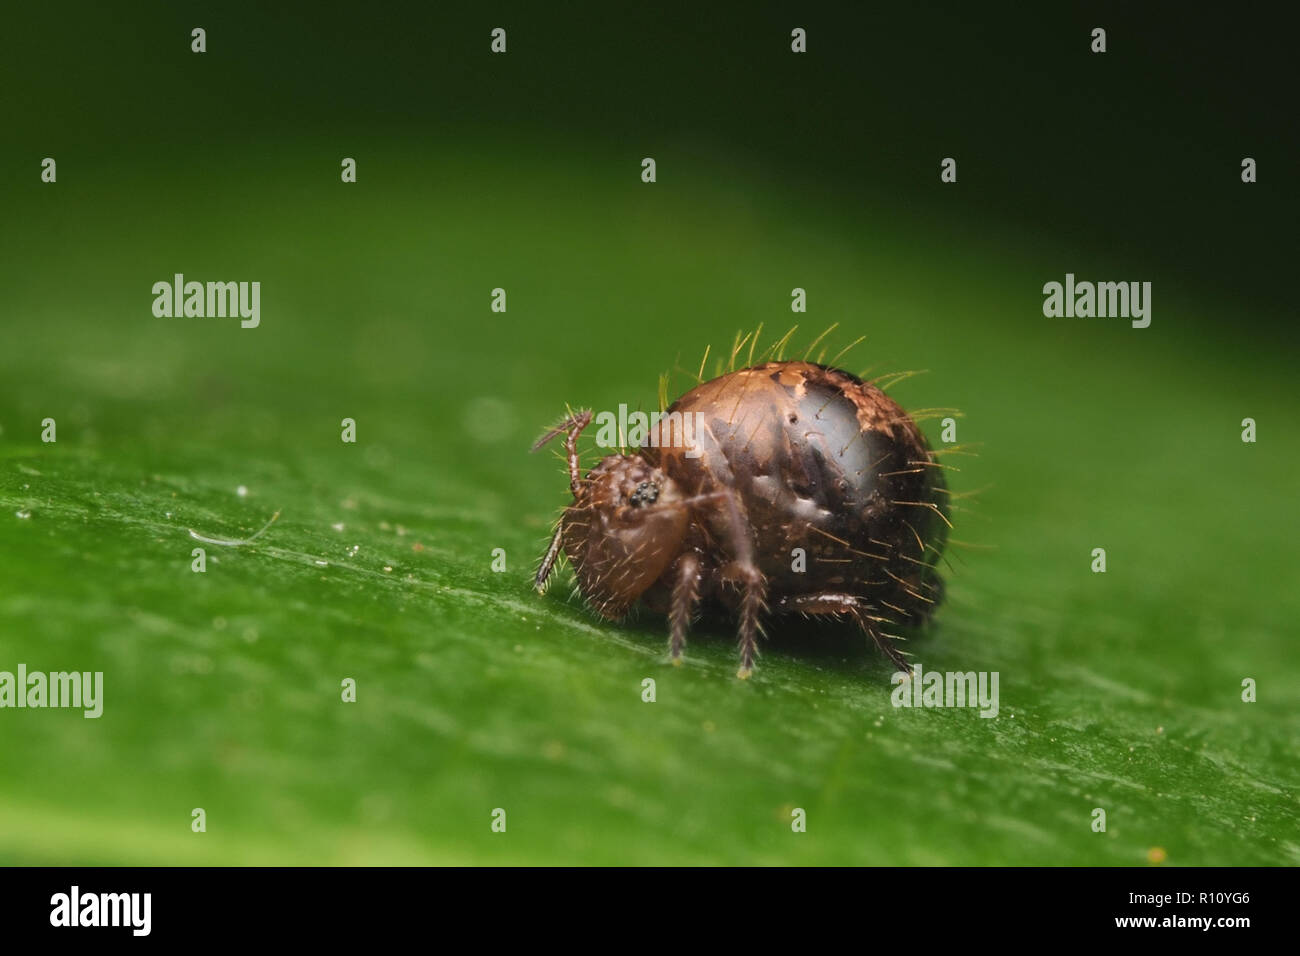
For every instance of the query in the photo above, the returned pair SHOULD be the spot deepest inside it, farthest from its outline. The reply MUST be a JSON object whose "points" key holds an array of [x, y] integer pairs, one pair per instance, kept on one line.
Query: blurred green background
{"points": [[522, 171]]}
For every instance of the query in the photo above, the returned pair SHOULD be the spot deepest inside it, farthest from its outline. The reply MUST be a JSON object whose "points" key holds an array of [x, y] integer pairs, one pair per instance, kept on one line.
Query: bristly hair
{"points": [[747, 346]]}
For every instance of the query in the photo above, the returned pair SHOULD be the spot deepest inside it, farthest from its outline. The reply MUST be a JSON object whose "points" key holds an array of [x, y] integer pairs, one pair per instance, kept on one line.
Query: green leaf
{"points": [[222, 689]]}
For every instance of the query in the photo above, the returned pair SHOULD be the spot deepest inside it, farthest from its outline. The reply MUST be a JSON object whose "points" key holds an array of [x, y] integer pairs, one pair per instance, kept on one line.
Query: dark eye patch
{"points": [[646, 493]]}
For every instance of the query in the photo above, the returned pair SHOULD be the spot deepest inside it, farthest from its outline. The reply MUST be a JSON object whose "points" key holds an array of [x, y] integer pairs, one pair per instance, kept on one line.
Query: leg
{"points": [[686, 596], [751, 607], [552, 555], [860, 610], [574, 425], [753, 601]]}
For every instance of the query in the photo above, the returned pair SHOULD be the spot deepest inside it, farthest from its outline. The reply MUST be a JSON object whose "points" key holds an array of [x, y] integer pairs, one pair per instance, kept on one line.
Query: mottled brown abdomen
{"points": [[826, 463]]}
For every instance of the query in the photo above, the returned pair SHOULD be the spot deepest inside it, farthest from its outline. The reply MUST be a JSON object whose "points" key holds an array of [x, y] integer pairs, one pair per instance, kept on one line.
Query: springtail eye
{"points": [[646, 493]]}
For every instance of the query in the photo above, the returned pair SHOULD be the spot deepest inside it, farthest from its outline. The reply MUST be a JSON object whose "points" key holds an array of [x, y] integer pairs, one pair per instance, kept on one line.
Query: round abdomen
{"points": [[838, 486]]}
